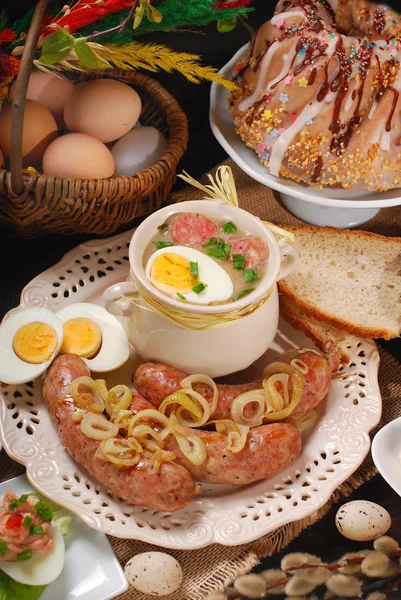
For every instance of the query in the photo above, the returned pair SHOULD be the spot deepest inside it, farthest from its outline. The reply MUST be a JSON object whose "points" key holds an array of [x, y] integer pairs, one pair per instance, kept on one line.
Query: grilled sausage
{"points": [[317, 380], [170, 489], [269, 450], [155, 382]]}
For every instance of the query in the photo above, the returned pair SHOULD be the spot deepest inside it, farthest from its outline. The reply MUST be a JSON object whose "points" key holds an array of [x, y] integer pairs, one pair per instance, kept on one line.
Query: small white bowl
{"points": [[335, 207], [386, 453]]}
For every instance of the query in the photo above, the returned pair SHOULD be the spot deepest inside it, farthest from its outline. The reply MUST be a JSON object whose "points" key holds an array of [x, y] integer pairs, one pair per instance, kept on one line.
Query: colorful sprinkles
{"points": [[327, 159]]}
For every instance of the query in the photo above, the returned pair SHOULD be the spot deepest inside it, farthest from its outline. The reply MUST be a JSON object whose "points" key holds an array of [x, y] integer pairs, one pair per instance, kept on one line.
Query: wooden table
{"points": [[21, 260]]}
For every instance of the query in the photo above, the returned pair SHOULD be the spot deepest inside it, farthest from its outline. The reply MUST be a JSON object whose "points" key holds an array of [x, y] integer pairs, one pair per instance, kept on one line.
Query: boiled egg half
{"points": [[169, 270], [95, 335], [42, 568], [29, 341]]}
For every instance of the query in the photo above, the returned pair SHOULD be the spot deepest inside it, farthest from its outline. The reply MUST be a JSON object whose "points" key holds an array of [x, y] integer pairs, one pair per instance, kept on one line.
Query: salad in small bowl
{"points": [[48, 553]]}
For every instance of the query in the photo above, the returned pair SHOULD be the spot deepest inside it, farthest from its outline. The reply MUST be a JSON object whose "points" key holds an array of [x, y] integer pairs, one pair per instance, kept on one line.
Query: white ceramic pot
{"points": [[217, 351]]}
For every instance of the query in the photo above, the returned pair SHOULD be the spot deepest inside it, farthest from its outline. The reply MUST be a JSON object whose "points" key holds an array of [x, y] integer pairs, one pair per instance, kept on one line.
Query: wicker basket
{"points": [[35, 205]]}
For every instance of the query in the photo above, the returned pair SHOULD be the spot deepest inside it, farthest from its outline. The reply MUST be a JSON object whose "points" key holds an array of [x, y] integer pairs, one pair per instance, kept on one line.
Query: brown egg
{"points": [[78, 156], [103, 108], [39, 129], [50, 90]]}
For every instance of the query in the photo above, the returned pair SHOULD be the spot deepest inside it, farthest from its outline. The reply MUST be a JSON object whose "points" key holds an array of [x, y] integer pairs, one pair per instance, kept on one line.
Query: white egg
{"points": [[114, 350], [219, 284], [42, 568], [362, 521], [154, 573], [138, 149], [14, 370]]}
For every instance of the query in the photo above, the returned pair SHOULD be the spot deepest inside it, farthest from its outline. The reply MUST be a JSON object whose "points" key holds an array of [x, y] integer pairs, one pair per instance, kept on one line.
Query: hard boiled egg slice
{"points": [[169, 270], [95, 335], [42, 568], [29, 341]]}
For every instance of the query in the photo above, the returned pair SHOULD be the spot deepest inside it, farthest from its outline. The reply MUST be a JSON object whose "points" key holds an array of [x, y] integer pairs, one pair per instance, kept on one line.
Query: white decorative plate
{"points": [[220, 514], [316, 201]]}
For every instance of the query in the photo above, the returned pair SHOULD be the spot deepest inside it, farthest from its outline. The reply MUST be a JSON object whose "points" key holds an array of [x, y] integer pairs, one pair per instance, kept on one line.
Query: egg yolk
{"points": [[172, 273], [82, 337], [35, 342]]}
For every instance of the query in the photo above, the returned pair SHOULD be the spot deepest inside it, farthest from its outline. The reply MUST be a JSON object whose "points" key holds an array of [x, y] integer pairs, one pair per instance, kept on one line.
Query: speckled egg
{"points": [[154, 573], [362, 521]]}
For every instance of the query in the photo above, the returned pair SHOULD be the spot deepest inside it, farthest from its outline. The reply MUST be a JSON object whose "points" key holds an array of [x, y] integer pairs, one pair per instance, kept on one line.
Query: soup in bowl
{"points": [[202, 294]]}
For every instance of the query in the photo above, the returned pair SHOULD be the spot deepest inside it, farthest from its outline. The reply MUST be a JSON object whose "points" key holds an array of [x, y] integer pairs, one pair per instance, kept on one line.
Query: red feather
{"points": [[86, 13], [232, 4]]}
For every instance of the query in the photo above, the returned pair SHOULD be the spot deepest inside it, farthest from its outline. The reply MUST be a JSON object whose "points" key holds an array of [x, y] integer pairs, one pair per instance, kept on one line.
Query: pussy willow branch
{"points": [[377, 585], [120, 28], [330, 567]]}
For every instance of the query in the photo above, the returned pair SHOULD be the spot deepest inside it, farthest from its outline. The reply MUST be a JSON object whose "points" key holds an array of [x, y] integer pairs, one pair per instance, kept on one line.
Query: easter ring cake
{"points": [[319, 94]]}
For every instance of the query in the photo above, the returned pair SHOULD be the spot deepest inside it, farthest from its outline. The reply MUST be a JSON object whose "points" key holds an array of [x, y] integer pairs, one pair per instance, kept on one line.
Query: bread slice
{"points": [[328, 338], [348, 279]]}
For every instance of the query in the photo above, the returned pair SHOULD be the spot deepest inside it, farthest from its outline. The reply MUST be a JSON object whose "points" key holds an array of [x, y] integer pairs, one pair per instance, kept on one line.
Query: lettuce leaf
{"points": [[11, 590]]}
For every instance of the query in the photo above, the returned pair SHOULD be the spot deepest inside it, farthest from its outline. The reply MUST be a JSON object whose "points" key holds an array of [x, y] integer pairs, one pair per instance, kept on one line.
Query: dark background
{"points": [[21, 260]]}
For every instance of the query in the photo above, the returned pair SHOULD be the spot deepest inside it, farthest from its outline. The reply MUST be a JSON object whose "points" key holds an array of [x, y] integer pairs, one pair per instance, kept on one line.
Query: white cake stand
{"points": [[337, 208]]}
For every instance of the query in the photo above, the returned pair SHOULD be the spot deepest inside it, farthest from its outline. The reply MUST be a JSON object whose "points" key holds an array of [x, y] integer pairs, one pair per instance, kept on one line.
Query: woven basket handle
{"points": [[21, 86]]}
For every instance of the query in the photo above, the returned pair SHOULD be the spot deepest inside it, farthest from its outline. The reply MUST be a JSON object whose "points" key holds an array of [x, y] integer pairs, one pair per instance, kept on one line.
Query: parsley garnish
{"points": [[199, 287], [250, 275], [3, 548], [160, 245], [25, 555], [243, 293], [229, 227], [180, 296], [163, 226], [239, 261], [36, 530], [222, 252], [211, 242], [27, 522], [194, 269], [44, 511], [13, 504]]}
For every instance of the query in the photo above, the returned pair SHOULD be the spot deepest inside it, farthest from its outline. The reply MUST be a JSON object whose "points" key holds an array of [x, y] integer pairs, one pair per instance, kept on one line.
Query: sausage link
{"points": [[155, 382], [192, 230], [170, 489], [269, 450], [253, 248], [317, 380]]}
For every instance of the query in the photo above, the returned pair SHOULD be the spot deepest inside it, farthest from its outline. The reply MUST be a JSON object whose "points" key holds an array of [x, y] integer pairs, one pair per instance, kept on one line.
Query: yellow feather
{"points": [[155, 57]]}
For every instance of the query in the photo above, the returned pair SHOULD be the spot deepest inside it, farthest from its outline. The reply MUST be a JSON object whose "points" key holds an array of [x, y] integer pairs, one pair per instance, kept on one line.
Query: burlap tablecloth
{"points": [[215, 567]]}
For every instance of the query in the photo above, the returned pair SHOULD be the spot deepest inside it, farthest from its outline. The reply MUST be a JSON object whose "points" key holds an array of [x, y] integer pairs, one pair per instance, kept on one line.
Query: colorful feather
{"points": [[176, 14], [85, 13], [149, 57]]}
